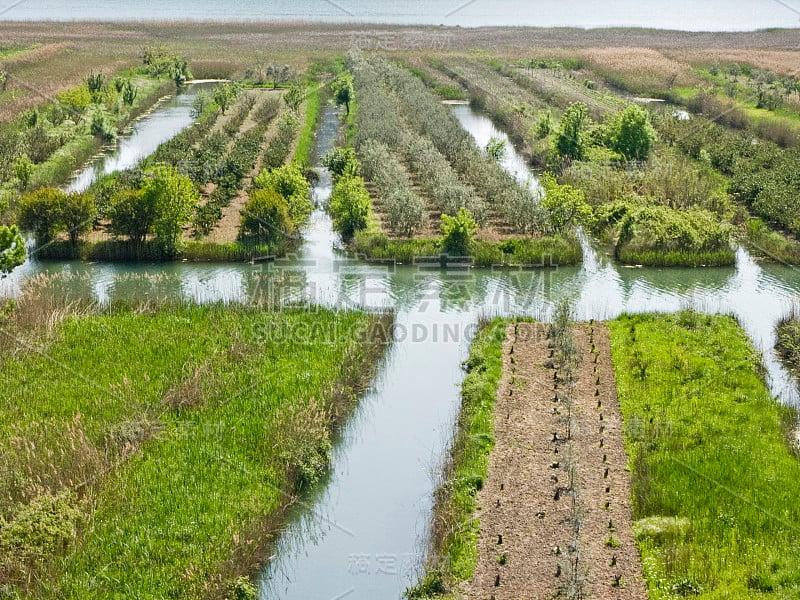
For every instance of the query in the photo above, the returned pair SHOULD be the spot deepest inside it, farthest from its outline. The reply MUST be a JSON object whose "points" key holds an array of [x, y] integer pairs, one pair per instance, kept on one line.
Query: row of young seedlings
{"points": [[564, 356], [452, 170], [611, 542]]}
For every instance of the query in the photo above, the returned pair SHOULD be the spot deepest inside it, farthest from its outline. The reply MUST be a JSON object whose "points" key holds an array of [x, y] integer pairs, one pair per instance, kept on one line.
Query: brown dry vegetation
{"points": [[69, 51], [783, 62]]}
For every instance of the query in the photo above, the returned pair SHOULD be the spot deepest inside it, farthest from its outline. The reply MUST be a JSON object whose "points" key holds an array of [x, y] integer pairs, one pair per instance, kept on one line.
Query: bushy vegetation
{"points": [[663, 236], [706, 443], [546, 251], [12, 249], [349, 205], [762, 176], [788, 344], [48, 212], [198, 423]]}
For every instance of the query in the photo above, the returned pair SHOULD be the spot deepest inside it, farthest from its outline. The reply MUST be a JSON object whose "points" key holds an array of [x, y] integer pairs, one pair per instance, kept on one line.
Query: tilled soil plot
{"points": [[555, 508]]}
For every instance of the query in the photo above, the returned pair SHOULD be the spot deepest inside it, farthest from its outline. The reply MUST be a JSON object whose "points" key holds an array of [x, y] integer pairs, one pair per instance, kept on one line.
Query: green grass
{"points": [[193, 251], [715, 483], [305, 141], [772, 245], [544, 252], [195, 425], [676, 258], [454, 552]]}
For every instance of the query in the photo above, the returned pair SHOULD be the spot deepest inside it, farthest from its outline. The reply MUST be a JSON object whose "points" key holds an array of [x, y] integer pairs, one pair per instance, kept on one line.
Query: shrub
{"points": [[342, 161], [565, 205], [571, 139], [132, 214], [631, 134], [40, 529], [12, 249], [349, 205], [40, 212], [77, 100], [457, 233], [266, 216], [289, 182], [23, 169]]}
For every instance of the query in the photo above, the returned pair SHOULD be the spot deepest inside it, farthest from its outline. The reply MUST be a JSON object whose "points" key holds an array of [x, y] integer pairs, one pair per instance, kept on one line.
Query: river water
{"points": [[363, 535], [710, 15]]}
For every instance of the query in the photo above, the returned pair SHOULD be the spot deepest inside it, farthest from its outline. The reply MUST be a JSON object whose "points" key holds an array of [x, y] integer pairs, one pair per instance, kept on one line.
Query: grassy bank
{"points": [[788, 344], [454, 552], [124, 251], [158, 463], [305, 141], [561, 250], [715, 483]]}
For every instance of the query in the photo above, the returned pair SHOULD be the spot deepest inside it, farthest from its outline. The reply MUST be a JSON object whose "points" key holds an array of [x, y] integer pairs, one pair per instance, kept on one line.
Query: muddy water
{"points": [[364, 533]]}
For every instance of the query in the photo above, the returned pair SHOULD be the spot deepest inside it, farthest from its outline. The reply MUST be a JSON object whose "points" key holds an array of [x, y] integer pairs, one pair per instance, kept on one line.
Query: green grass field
{"points": [[149, 453], [715, 482]]}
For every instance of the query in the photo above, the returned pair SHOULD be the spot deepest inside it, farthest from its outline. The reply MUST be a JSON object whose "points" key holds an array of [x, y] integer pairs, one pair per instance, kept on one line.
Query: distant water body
{"points": [[689, 15]]}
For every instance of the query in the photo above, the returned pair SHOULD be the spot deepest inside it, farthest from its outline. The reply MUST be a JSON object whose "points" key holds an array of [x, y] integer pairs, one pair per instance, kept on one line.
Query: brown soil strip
{"points": [[612, 573], [544, 509]]}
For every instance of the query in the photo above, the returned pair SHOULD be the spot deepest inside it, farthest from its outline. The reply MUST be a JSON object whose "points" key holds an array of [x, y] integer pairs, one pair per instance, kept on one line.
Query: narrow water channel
{"points": [[364, 533], [168, 118]]}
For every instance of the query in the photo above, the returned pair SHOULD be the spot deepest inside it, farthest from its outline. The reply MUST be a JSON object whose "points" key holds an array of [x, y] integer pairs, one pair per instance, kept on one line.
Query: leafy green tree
{"points": [[294, 97], [631, 134], [23, 170], [566, 206], [571, 139], [132, 214], [12, 249], [225, 95], [343, 90], [41, 212], [77, 100], [342, 161], [290, 183], [174, 198], [266, 216], [349, 205], [458, 232], [78, 214], [161, 61]]}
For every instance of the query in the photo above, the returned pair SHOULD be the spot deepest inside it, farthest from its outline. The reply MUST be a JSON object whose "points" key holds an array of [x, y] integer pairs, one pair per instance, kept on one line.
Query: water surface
{"points": [[710, 15]]}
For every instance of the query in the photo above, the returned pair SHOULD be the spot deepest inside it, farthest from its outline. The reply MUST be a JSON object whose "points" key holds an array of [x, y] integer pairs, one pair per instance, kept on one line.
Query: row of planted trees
{"points": [[161, 207]]}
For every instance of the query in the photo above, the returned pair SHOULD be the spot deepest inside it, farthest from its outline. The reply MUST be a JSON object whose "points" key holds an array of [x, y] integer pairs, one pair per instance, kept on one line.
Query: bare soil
{"points": [[548, 530]]}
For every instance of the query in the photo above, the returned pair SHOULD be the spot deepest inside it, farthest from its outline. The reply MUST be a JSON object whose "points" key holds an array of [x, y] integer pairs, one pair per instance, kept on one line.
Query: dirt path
{"points": [[556, 483]]}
